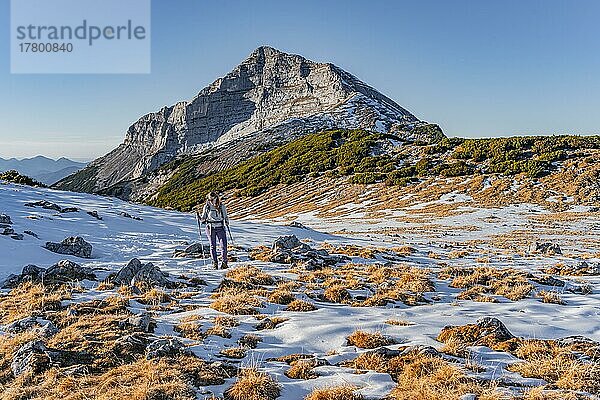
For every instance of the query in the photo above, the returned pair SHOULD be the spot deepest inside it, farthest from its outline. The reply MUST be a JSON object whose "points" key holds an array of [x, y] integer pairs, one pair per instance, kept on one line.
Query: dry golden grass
{"points": [[250, 274], [350, 250], [368, 362], [335, 393], [226, 320], [190, 327], [368, 340], [219, 330], [172, 379], [337, 294], [458, 254], [29, 298], [403, 250], [281, 297], [431, 378], [105, 285], [551, 297], [300, 306], [544, 359], [252, 384], [562, 370], [507, 282], [399, 322], [249, 340], [540, 393], [236, 302], [302, 369], [154, 297], [234, 352]]}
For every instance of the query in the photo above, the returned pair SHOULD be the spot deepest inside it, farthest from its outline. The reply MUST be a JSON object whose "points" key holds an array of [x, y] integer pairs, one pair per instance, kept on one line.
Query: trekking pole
{"points": [[200, 234], [230, 237]]}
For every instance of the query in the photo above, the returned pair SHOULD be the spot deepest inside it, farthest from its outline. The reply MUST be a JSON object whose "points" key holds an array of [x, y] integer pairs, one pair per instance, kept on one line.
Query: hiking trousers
{"points": [[217, 234]]}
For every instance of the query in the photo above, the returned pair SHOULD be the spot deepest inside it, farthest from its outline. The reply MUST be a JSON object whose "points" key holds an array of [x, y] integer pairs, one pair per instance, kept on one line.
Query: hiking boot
{"points": [[224, 265], [215, 265]]}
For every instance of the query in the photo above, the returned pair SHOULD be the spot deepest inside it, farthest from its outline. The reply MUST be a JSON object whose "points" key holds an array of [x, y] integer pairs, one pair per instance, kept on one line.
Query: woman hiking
{"points": [[214, 214]]}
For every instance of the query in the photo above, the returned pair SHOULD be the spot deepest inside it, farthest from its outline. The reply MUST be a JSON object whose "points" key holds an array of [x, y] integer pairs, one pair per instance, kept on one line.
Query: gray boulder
{"points": [[74, 246], [68, 271], [289, 250], [127, 215], [545, 248], [493, 326], [193, 251], [29, 273], [166, 347], [31, 357], [35, 357], [6, 231], [63, 271], [135, 273], [95, 215], [5, 219], [51, 206], [41, 326], [289, 242], [140, 322], [44, 204], [17, 236], [296, 224]]}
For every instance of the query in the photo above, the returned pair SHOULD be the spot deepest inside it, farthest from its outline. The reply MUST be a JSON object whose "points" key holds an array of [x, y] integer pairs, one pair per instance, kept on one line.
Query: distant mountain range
{"points": [[42, 169]]}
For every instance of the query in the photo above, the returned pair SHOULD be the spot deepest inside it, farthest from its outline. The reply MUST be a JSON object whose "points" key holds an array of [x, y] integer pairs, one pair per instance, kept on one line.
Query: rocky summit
{"points": [[271, 97]]}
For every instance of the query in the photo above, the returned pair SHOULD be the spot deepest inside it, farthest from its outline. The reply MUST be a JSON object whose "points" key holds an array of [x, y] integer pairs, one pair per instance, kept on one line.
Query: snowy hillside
{"points": [[378, 287]]}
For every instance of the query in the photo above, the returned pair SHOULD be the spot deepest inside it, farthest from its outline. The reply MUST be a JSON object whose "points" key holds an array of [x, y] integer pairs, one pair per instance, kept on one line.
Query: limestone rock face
{"points": [[269, 96]]}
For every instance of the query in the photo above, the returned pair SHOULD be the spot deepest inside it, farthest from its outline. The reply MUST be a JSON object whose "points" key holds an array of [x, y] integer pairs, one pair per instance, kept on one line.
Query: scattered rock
{"points": [[31, 357], [51, 206], [31, 233], [74, 245], [40, 326], [269, 323], [580, 269], [17, 236], [289, 242], [127, 215], [5, 220], [141, 275], [64, 271], [141, 322], [545, 248], [296, 224], [68, 271], [95, 215], [7, 231], [34, 358], [193, 251], [487, 331], [129, 347], [166, 347], [290, 250], [547, 280], [575, 340]]}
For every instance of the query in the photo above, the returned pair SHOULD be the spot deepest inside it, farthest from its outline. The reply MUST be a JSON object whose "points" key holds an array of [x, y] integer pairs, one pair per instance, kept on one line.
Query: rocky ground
{"points": [[106, 299]]}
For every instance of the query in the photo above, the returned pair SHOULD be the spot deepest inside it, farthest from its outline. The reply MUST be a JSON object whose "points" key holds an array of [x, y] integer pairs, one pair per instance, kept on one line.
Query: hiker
{"points": [[214, 214]]}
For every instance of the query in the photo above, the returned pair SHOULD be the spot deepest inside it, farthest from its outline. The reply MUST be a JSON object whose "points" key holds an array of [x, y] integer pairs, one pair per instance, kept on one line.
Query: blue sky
{"points": [[478, 68]]}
